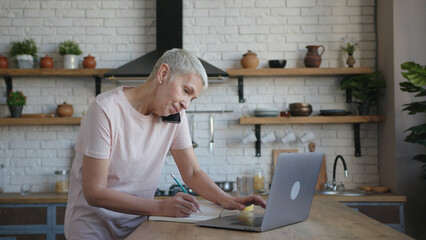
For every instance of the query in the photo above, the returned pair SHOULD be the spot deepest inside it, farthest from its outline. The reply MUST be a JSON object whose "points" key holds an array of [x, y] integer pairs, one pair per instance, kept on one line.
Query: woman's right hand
{"points": [[180, 205]]}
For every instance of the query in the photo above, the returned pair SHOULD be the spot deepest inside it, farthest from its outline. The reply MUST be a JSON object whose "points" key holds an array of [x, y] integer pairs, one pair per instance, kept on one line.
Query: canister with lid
{"points": [[61, 181]]}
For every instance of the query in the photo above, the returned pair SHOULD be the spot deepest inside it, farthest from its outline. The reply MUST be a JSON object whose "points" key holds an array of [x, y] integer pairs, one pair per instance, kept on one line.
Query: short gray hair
{"points": [[181, 62]]}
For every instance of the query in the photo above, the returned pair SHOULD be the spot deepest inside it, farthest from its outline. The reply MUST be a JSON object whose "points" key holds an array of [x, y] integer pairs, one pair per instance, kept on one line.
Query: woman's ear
{"points": [[163, 73]]}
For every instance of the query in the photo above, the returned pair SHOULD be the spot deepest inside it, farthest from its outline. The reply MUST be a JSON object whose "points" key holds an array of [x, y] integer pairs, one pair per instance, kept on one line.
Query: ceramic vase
{"points": [[70, 61], [313, 58], [46, 62], [350, 61], [249, 60], [89, 62], [16, 111], [3, 62]]}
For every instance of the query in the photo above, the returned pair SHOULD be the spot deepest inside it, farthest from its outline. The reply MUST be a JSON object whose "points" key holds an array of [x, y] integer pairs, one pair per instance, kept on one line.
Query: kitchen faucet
{"points": [[334, 170]]}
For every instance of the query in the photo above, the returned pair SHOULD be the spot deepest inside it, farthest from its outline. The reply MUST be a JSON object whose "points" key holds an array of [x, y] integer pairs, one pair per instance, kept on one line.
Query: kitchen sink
{"points": [[348, 193]]}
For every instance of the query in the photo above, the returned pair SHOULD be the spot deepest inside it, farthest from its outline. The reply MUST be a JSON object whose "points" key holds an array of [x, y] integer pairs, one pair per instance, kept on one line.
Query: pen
{"points": [[181, 187]]}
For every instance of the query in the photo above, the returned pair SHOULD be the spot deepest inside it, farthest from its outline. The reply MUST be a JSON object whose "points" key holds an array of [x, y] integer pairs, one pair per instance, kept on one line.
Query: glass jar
{"points": [[61, 181], [259, 179]]}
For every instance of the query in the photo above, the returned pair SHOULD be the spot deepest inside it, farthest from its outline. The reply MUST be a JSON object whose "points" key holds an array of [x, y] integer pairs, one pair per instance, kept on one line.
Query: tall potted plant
{"points": [[366, 88], [16, 101], [416, 82], [70, 50], [25, 53]]}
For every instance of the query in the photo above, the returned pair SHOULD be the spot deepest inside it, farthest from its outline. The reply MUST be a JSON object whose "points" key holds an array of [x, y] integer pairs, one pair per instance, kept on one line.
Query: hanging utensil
{"points": [[194, 144], [211, 133]]}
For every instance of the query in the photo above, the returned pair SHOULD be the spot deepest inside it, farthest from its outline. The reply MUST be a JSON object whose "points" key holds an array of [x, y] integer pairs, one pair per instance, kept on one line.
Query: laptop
{"points": [[290, 196]]}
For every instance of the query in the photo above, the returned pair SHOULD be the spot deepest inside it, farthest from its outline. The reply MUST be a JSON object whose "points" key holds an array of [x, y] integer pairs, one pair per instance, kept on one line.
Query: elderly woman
{"points": [[121, 148]]}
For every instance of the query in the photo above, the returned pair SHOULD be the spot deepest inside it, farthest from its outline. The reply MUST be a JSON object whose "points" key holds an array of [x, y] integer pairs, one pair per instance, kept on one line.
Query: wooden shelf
{"points": [[247, 72], [312, 120], [39, 121], [97, 74], [54, 72], [240, 73]]}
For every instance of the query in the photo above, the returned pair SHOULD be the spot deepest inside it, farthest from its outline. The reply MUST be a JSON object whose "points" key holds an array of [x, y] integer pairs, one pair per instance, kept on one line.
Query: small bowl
{"points": [[299, 105], [226, 186], [301, 112], [277, 63]]}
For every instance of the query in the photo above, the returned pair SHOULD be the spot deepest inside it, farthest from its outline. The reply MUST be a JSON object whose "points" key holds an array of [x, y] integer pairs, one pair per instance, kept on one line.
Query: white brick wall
{"points": [[219, 31]]}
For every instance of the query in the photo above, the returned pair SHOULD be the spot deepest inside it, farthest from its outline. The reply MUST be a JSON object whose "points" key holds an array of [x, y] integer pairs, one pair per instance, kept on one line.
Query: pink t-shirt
{"points": [[135, 145]]}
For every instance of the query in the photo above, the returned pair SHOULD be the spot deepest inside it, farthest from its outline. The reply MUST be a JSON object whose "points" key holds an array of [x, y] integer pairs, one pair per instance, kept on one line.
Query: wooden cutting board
{"points": [[276, 153], [322, 177]]}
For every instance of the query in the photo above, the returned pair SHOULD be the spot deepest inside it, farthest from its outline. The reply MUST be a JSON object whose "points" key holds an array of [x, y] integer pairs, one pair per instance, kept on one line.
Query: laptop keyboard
{"points": [[257, 222]]}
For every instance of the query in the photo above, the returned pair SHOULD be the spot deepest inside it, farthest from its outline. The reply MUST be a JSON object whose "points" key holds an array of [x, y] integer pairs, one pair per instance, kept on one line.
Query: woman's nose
{"points": [[184, 104]]}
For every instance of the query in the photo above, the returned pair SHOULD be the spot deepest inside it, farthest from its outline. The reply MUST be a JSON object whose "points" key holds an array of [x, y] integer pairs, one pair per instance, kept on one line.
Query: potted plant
{"points": [[366, 88], [416, 82], [350, 49], [70, 50], [25, 53], [16, 101]]}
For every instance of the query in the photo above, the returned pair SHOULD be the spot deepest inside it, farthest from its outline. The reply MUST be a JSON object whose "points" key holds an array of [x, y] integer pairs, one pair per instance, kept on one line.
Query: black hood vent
{"points": [[169, 35]]}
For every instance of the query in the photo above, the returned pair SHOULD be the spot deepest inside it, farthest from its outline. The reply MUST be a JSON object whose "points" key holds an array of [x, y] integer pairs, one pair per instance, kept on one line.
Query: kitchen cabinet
{"points": [[32, 221], [386, 208]]}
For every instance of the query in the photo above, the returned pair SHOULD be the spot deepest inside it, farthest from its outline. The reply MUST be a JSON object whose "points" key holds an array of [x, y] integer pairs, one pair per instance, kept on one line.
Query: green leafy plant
{"points": [[69, 47], [350, 48], [16, 98], [366, 88], [416, 82], [27, 47]]}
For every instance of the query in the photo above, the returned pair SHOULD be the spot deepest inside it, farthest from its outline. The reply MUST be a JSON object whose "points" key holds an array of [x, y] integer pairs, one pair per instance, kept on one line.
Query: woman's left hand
{"points": [[239, 203]]}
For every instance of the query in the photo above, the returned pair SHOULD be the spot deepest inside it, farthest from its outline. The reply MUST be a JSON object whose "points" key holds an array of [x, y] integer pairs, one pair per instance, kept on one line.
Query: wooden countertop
{"points": [[328, 219], [62, 198]]}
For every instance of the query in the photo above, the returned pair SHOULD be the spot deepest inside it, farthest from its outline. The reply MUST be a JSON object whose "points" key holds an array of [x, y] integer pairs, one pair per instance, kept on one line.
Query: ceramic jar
{"points": [[64, 110], [249, 60], [313, 58], [3, 62], [89, 62], [46, 62]]}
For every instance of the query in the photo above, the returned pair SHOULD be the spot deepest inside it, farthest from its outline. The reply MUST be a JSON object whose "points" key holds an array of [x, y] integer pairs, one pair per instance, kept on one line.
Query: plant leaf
{"points": [[415, 107], [415, 73], [420, 157]]}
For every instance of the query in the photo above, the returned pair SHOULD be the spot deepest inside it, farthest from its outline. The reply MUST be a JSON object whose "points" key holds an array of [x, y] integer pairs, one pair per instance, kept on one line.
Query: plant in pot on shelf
{"points": [[25, 53], [416, 82], [350, 49], [16, 101], [70, 50], [366, 88]]}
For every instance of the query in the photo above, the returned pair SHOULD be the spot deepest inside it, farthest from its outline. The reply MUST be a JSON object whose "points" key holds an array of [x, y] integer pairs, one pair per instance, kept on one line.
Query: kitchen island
{"points": [[328, 219], [43, 214]]}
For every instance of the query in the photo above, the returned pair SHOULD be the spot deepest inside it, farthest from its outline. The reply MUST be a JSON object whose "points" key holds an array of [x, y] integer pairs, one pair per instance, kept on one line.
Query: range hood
{"points": [[169, 35]]}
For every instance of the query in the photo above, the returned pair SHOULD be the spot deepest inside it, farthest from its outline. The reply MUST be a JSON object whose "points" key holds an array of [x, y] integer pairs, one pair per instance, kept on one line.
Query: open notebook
{"points": [[209, 209]]}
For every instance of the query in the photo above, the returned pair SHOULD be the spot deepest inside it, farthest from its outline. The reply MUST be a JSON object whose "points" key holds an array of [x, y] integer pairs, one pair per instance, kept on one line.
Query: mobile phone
{"points": [[174, 118]]}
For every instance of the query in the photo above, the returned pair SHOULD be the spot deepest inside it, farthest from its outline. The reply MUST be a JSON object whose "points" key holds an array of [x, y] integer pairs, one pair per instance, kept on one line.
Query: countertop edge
{"points": [[11, 198]]}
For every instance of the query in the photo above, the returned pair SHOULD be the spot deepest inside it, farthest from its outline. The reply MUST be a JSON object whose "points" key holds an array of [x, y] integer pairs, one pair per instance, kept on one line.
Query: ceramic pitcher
{"points": [[313, 58]]}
